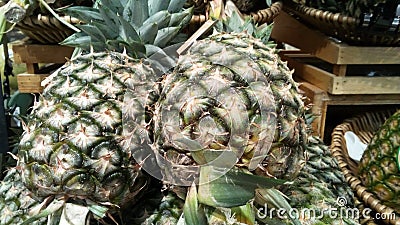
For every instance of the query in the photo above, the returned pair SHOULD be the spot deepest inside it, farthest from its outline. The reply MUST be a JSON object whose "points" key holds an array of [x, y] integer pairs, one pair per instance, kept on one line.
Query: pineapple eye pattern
{"points": [[216, 109]]}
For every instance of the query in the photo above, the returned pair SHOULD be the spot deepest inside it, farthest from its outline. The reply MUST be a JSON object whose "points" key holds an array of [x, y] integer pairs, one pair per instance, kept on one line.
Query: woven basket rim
{"points": [[343, 27], [261, 16], [364, 126]]}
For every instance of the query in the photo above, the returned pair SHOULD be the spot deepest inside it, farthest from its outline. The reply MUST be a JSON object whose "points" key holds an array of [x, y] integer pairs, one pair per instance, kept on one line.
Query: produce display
{"points": [[128, 131]]}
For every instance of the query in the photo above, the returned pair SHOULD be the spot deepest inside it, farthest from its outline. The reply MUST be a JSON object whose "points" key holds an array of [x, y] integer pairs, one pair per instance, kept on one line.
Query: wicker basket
{"points": [[364, 127], [344, 28], [46, 29], [261, 16]]}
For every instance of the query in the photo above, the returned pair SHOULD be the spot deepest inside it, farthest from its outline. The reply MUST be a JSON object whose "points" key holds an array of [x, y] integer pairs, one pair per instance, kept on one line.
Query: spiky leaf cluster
{"points": [[139, 27]]}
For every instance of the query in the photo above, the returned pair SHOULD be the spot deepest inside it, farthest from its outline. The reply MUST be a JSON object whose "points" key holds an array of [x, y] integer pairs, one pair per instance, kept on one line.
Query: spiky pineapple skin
{"points": [[16, 201], [379, 168], [74, 145], [225, 66], [321, 188]]}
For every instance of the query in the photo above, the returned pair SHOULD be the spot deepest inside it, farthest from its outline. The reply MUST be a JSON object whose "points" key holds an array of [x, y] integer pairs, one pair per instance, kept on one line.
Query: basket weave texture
{"points": [[46, 29], [261, 16], [364, 126], [342, 27]]}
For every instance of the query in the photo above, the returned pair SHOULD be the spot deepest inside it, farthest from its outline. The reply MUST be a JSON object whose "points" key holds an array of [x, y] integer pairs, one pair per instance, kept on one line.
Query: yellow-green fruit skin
{"points": [[379, 167]]}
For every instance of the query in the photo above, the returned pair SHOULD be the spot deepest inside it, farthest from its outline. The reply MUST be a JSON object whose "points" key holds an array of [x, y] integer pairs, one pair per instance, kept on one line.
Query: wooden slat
{"points": [[317, 99], [288, 30], [30, 83], [36, 53], [338, 85], [321, 101]]}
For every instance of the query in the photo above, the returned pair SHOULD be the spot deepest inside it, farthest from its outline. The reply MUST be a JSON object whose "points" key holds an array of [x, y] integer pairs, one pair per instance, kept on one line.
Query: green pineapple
{"points": [[240, 93], [74, 147], [230, 103], [168, 211], [379, 168], [320, 187], [16, 202]]}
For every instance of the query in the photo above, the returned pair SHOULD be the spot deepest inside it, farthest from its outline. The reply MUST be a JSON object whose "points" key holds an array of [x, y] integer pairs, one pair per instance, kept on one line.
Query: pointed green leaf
{"points": [[134, 49], [181, 18], [126, 31], [136, 12], [264, 32], [54, 206], [176, 5], [114, 45], [116, 6], [99, 211], [244, 214], [161, 18], [235, 22], [111, 20], [221, 188], [164, 36], [148, 33], [275, 199], [93, 32], [185, 21], [107, 32], [83, 41], [249, 27], [157, 6], [137, 47], [83, 13], [193, 213]]}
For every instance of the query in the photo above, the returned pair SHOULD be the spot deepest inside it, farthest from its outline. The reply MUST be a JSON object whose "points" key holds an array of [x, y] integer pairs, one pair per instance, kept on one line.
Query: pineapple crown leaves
{"points": [[132, 25], [232, 20]]}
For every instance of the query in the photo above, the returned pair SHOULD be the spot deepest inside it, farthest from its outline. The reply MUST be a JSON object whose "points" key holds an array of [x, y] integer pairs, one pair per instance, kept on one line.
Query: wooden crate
{"points": [[30, 83], [322, 100], [344, 61], [33, 55]]}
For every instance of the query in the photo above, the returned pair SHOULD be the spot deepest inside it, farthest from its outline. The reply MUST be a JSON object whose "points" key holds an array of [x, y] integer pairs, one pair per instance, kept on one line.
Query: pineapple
{"points": [[16, 200], [168, 211], [74, 147], [379, 168], [231, 99], [224, 84], [321, 186], [230, 94]]}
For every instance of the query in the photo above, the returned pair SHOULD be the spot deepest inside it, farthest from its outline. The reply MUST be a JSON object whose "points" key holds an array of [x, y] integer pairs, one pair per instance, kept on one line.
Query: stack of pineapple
{"points": [[228, 115]]}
